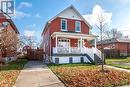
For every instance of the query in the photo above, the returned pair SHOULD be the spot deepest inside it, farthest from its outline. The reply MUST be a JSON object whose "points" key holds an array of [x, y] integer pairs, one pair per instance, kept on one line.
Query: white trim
{"points": [[80, 43], [73, 35], [65, 26], [76, 26]]}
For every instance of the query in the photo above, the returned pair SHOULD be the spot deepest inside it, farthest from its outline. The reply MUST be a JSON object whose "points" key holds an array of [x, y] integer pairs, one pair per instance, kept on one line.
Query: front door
{"points": [[65, 43]]}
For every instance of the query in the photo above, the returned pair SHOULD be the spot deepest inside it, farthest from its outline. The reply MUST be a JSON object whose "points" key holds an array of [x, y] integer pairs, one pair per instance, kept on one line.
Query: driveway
{"points": [[37, 74]]}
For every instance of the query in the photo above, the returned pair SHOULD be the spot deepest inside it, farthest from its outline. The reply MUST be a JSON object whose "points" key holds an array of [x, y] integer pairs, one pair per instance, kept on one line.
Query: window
{"points": [[63, 25], [70, 60], [56, 60], [78, 26], [82, 59]]}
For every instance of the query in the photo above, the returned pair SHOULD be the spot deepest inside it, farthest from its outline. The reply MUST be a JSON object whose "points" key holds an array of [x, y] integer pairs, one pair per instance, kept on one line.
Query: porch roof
{"points": [[73, 35]]}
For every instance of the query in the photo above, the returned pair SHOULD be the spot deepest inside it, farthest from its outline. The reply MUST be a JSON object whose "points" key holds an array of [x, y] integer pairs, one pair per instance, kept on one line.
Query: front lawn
{"points": [[119, 62], [87, 75], [10, 72]]}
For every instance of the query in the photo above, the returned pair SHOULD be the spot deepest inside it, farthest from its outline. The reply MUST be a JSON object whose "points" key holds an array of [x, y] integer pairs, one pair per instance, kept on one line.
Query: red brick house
{"points": [[66, 38], [122, 45], [8, 38]]}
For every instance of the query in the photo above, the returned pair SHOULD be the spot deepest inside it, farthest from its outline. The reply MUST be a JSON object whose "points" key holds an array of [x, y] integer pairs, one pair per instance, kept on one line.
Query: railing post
{"points": [[69, 49], [81, 44]]}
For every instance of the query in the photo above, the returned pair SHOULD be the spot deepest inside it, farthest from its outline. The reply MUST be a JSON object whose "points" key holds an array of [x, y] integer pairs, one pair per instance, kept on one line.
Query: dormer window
{"points": [[63, 24], [77, 26]]}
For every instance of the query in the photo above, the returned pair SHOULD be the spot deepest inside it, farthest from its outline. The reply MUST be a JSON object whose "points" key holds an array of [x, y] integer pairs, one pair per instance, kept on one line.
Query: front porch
{"points": [[72, 43]]}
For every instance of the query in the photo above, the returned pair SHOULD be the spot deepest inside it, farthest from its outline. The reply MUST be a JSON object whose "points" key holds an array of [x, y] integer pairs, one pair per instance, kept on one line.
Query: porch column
{"points": [[81, 44], [95, 45], [56, 43]]}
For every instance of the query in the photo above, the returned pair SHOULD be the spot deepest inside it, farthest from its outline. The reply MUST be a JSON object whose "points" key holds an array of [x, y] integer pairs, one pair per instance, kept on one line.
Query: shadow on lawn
{"points": [[15, 65]]}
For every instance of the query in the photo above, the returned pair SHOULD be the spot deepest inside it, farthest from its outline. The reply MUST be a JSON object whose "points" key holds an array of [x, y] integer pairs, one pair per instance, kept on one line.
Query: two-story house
{"points": [[66, 38]]}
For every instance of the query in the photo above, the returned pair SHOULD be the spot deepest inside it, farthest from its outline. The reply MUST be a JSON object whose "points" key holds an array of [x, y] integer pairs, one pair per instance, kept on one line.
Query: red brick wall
{"points": [[122, 47], [55, 26]]}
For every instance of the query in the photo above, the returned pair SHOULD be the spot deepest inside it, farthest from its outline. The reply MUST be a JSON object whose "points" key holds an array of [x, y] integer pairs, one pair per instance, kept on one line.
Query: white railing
{"points": [[76, 50], [61, 50]]}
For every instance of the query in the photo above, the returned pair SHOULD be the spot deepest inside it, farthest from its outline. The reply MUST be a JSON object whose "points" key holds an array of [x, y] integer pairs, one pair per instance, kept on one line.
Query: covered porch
{"points": [[72, 43]]}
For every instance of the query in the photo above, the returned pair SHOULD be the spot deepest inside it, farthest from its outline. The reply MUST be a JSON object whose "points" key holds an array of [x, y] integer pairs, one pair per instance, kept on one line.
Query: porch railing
{"points": [[77, 50], [62, 50]]}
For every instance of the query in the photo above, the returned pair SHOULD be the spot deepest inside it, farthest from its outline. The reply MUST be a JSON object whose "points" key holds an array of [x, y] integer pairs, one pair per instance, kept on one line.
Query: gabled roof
{"points": [[6, 18], [13, 25], [75, 10]]}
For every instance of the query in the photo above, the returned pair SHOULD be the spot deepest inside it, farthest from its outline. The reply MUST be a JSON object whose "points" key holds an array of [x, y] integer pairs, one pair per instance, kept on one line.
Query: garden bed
{"points": [[10, 72], [86, 75]]}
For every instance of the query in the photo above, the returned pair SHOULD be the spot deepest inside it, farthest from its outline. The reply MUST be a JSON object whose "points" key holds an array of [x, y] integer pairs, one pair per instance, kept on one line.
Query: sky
{"points": [[31, 15]]}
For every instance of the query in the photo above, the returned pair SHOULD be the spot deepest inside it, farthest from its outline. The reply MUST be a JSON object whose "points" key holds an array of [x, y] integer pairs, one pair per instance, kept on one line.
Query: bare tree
{"points": [[113, 33], [8, 40], [27, 41], [101, 25]]}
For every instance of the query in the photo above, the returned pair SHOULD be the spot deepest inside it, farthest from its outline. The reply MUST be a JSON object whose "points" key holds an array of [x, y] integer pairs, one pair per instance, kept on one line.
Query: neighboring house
{"points": [[122, 46], [8, 38], [66, 38]]}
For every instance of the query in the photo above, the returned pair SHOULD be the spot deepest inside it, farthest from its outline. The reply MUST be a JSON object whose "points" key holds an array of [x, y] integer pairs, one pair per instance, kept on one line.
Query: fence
{"points": [[111, 53], [35, 54]]}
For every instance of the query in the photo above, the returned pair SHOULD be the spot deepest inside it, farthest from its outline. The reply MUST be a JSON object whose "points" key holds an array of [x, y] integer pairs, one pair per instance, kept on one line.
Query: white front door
{"points": [[63, 42]]}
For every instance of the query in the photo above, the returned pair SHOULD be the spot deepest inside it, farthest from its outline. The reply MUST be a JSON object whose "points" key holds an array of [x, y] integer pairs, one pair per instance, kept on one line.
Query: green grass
{"points": [[75, 65], [10, 72], [118, 62]]}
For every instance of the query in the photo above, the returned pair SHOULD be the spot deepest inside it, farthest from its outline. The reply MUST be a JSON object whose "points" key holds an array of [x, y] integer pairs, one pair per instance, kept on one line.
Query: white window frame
{"points": [[76, 26], [79, 42], [66, 25]]}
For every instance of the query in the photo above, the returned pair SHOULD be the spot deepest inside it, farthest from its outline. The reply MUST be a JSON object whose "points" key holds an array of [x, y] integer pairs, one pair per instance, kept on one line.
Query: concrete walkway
{"points": [[113, 67], [37, 74]]}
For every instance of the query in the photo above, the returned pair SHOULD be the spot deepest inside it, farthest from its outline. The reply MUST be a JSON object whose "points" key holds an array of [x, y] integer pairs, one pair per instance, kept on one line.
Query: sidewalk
{"points": [[113, 67], [36, 74]]}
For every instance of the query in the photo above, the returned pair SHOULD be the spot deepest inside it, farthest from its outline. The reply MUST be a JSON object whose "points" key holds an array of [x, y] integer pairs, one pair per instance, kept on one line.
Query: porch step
{"points": [[98, 60], [89, 58]]}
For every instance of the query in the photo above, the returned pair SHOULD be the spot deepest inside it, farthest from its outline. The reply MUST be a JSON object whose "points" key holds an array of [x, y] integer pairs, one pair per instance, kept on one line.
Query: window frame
{"points": [[65, 26], [76, 26]]}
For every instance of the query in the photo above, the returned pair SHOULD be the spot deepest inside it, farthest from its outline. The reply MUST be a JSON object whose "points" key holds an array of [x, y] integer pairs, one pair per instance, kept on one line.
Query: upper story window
{"points": [[78, 26], [63, 24]]}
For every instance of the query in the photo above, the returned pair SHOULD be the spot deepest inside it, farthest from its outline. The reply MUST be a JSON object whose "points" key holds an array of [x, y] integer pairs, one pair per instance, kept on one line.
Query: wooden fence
{"points": [[35, 54], [111, 53]]}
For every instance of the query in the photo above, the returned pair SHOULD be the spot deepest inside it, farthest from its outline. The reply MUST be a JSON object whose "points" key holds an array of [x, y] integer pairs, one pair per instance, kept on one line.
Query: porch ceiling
{"points": [[73, 35]]}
